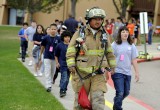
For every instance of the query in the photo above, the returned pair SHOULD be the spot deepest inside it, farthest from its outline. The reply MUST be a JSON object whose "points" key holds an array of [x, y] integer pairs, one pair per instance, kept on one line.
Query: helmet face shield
{"points": [[95, 13]]}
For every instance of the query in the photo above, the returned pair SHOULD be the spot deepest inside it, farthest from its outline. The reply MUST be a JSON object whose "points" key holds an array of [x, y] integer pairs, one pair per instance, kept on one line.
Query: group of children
{"points": [[48, 51], [133, 25]]}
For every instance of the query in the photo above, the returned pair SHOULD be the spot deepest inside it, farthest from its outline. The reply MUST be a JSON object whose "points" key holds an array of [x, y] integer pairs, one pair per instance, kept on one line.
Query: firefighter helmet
{"points": [[94, 13]]}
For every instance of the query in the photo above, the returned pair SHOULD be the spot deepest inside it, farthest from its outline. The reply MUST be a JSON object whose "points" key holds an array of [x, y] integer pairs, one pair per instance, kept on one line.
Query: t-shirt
{"points": [[109, 28], [117, 26], [38, 37], [124, 53], [136, 29], [50, 44], [130, 27], [150, 26], [21, 33], [125, 24], [30, 31], [60, 52]]}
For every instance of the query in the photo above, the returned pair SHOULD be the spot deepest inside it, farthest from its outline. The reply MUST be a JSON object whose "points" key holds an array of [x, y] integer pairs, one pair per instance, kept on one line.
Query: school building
{"points": [[9, 16]]}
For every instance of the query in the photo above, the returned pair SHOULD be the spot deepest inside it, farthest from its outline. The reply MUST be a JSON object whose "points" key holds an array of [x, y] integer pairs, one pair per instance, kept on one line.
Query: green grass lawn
{"points": [[19, 90]]}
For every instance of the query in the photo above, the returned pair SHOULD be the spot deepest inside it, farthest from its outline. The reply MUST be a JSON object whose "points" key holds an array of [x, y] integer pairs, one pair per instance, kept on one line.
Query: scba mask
{"points": [[95, 12]]}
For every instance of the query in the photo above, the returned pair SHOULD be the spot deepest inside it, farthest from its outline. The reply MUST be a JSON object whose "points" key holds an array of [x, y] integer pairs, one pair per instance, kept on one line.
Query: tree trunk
{"points": [[117, 8], [31, 17], [124, 8], [123, 14], [73, 8], [26, 16]]}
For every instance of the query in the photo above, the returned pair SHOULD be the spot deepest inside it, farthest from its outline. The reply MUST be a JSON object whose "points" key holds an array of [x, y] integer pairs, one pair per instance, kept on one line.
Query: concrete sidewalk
{"points": [[151, 49], [129, 103]]}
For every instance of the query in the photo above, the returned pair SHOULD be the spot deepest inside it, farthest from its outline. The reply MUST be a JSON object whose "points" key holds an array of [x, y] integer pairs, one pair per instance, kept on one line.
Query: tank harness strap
{"points": [[104, 45]]}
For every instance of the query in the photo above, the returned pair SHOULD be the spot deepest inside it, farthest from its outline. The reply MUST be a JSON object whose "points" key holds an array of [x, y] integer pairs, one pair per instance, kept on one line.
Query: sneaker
{"points": [[40, 74], [35, 74], [114, 108], [49, 89], [53, 82], [62, 94], [23, 60], [30, 63]]}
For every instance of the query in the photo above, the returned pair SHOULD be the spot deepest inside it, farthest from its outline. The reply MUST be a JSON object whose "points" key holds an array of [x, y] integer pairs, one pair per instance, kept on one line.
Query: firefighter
{"points": [[84, 56]]}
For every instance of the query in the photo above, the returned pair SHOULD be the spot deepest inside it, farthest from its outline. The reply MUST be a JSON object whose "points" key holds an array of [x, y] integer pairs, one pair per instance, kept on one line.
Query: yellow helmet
{"points": [[95, 12]]}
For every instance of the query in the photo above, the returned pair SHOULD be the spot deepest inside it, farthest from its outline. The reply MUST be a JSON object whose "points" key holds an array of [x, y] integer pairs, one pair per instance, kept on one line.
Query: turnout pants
{"points": [[95, 87]]}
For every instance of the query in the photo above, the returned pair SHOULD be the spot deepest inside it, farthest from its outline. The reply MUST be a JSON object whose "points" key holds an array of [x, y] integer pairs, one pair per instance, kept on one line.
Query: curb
{"points": [[145, 60], [137, 101]]}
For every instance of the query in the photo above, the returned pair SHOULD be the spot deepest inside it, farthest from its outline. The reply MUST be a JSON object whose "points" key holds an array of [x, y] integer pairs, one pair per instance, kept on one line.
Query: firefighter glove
{"points": [[72, 70]]}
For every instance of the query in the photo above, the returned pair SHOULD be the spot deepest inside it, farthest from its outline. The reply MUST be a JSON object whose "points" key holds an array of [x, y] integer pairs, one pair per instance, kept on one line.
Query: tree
{"points": [[73, 7], [33, 6], [121, 6]]}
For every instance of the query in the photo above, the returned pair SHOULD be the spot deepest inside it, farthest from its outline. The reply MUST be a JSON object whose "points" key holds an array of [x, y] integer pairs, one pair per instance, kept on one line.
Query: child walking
{"points": [[48, 46], [61, 30], [60, 57], [37, 39], [24, 42], [126, 53]]}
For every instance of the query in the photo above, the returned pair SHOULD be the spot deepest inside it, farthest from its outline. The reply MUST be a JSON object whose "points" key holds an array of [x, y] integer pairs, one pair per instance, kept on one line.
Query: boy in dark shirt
{"points": [[49, 44], [60, 58], [24, 42]]}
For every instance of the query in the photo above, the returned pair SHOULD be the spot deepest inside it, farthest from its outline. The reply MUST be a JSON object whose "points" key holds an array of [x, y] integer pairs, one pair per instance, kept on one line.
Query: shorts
{"points": [[135, 35], [36, 59], [132, 36]]}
